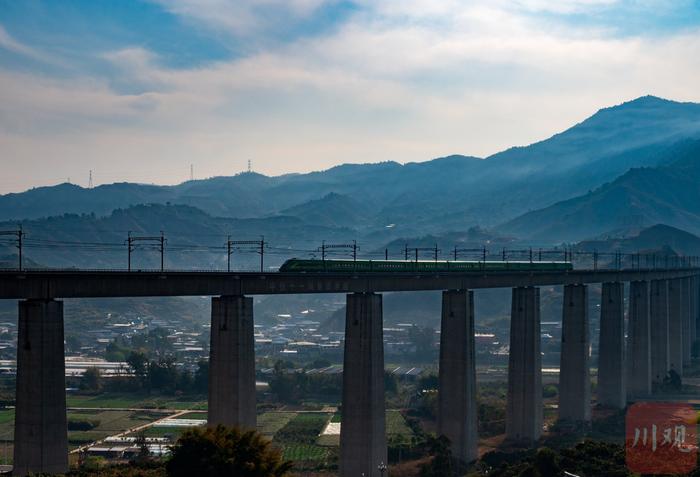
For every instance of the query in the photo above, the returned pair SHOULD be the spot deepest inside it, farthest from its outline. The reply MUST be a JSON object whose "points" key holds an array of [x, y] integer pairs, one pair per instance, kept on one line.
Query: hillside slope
{"points": [[668, 194]]}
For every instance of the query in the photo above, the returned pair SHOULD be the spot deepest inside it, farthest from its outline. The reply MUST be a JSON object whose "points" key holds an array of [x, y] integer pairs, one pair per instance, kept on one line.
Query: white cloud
{"points": [[402, 81], [10, 44], [563, 6], [242, 17]]}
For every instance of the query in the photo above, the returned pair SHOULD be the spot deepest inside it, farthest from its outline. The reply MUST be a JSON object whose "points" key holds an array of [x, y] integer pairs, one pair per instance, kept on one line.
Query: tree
{"points": [[73, 343], [158, 341], [144, 452], [91, 380], [222, 451], [201, 376], [441, 463], [424, 341], [162, 374], [547, 462], [116, 351], [138, 362]]}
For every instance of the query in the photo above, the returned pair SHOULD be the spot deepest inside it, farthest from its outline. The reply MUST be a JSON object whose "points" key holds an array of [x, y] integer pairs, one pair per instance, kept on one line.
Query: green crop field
{"points": [[303, 429], [271, 422], [395, 426], [173, 433], [133, 401], [298, 440], [305, 452]]}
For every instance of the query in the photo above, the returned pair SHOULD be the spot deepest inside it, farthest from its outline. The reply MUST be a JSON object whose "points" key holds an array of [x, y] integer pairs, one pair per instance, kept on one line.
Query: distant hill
{"points": [[657, 237], [668, 194], [332, 210], [195, 238], [449, 193]]}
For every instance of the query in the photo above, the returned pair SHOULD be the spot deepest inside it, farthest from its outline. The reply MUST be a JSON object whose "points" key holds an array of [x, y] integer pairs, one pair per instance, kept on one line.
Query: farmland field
{"points": [[298, 437], [271, 422], [108, 423], [305, 452], [133, 401], [395, 426]]}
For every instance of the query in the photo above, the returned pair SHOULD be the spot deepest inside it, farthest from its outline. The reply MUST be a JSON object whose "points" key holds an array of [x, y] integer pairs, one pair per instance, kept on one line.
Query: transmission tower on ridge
{"points": [[90, 180]]}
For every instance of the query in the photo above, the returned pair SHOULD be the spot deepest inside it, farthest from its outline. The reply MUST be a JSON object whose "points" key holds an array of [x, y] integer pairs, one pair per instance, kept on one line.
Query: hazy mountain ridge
{"points": [[668, 194], [444, 194], [50, 241], [671, 239]]}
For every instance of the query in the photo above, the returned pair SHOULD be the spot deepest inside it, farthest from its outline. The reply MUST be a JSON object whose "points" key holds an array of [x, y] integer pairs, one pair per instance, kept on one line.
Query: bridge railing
{"points": [[239, 256]]}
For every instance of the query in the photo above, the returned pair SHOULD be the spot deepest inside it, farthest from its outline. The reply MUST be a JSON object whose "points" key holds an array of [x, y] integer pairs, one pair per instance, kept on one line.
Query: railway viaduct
{"points": [[662, 321]]}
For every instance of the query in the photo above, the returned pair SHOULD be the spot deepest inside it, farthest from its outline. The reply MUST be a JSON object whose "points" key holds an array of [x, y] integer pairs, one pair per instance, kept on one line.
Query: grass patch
{"points": [[7, 415], [328, 440], [194, 415], [7, 424], [79, 438]]}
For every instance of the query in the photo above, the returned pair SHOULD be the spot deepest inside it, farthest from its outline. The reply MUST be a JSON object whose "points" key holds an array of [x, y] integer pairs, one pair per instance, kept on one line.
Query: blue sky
{"points": [[139, 90]]}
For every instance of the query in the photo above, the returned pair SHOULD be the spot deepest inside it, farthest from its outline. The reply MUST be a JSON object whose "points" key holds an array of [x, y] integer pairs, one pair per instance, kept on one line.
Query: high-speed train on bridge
{"points": [[304, 265]]}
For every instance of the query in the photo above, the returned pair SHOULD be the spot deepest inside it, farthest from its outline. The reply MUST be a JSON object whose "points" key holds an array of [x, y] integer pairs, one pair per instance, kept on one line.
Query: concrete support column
{"points": [[41, 435], [574, 376], [362, 432], [659, 330], [686, 319], [457, 408], [524, 406], [611, 350], [675, 326], [696, 290], [638, 345], [232, 363], [694, 310]]}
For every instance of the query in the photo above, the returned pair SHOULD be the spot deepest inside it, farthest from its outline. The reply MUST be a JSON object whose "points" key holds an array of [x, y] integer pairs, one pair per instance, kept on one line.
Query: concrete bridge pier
{"points": [[611, 351], [638, 342], [686, 319], [232, 363], [675, 326], [658, 299], [363, 429], [41, 435], [457, 408], [524, 406], [694, 310], [574, 376]]}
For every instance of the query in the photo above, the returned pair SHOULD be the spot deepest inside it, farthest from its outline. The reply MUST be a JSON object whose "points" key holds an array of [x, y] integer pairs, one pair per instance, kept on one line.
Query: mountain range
{"points": [[625, 167]]}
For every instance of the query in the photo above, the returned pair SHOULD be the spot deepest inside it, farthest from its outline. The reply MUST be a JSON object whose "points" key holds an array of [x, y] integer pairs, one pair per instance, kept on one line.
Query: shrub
{"points": [[222, 451], [82, 424]]}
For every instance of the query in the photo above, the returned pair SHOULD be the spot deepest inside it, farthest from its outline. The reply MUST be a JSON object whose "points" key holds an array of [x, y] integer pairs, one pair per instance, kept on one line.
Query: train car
{"points": [[304, 265]]}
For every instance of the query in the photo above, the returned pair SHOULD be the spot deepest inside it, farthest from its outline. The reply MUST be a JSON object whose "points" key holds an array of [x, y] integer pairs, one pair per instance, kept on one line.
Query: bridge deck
{"points": [[103, 284]]}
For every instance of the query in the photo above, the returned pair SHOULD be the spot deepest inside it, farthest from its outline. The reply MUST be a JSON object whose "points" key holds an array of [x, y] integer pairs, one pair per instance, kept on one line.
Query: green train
{"points": [[301, 266]]}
